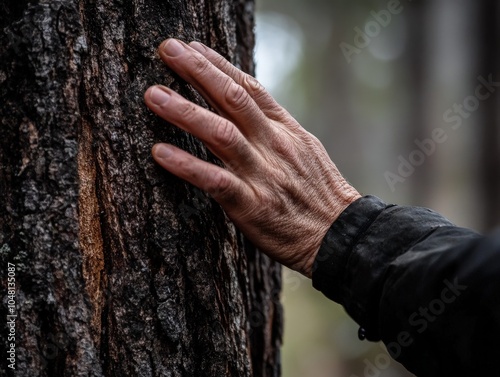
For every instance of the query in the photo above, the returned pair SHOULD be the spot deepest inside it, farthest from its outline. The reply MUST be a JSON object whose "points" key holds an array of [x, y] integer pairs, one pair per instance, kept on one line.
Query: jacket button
{"points": [[361, 333]]}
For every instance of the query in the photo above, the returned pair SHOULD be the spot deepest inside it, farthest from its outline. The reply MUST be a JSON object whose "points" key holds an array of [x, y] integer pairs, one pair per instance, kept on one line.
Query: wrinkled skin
{"points": [[279, 185]]}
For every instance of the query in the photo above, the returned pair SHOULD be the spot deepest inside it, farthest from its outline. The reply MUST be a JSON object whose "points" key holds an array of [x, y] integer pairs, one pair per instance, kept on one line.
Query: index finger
{"points": [[261, 96]]}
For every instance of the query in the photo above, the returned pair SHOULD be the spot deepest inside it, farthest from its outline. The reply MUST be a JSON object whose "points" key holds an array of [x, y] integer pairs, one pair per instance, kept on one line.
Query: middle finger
{"points": [[221, 91]]}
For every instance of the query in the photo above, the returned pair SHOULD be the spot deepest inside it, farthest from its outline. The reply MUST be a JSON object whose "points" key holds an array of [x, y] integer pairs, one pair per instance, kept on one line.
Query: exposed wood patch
{"points": [[90, 236]]}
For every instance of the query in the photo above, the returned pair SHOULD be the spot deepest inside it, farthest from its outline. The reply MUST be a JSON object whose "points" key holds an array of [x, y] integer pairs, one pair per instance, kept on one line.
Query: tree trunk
{"points": [[121, 269]]}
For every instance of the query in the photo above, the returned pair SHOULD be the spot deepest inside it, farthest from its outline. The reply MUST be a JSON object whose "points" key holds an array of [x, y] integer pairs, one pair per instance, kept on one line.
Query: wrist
{"points": [[348, 196]]}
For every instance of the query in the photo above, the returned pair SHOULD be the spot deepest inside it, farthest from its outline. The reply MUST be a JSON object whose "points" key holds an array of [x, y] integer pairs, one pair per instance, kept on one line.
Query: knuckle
{"points": [[187, 110], [312, 142], [312, 139], [187, 167], [220, 185], [234, 167], [220, 61], [237, 97], [282, 145], [276, 112], [253, 85], [200, 65], [266, 199], [306, 138], [225, 133], [266, 102]]}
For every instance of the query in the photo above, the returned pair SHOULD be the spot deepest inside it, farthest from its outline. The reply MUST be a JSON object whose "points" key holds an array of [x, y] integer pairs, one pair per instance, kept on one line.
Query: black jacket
{"points": [[430, 290]]}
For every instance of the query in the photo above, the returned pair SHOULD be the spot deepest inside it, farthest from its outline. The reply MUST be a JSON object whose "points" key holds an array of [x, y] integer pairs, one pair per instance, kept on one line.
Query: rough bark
{"points": [[121, 268]]}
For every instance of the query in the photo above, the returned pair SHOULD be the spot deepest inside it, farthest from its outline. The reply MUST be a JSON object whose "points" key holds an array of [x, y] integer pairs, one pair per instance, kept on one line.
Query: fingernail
{"points": [[198, 46], [162, 151], [173, 48], [158, 96]]}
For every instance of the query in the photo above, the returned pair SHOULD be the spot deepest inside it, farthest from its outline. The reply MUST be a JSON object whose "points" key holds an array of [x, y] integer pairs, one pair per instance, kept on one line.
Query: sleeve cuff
{"points": [[329, 267], [358, 250]]}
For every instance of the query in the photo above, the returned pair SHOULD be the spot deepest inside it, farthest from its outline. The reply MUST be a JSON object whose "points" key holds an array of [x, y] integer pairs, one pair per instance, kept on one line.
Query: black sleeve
{"points": [[428, 289]]}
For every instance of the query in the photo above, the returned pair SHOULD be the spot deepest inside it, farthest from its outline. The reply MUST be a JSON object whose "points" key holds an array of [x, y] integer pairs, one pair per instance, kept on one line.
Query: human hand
{"points": [[279, 187]]}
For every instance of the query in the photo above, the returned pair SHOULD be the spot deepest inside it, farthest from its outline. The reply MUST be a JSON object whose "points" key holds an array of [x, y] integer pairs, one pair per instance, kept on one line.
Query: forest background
{"points": [[390, 88]]}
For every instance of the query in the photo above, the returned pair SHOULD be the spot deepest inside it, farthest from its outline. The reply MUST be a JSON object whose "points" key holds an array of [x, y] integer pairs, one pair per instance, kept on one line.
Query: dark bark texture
{"points": [[121, 268]]}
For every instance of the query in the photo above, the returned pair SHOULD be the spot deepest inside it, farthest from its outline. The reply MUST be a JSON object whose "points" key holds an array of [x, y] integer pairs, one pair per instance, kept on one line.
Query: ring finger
{"points": [[221, 136]]}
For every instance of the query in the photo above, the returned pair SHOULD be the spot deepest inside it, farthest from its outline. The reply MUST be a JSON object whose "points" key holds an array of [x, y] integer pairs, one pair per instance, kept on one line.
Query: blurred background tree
{"points": [[372, 110]]}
